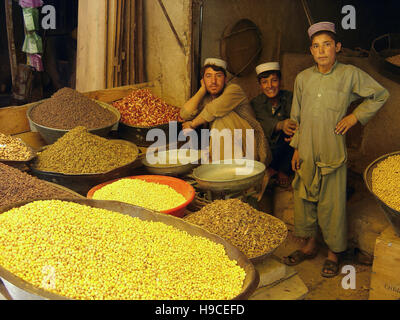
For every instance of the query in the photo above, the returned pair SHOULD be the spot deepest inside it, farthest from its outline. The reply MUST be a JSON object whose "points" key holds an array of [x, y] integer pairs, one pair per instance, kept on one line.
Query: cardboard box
{"points": [[385, 278]]}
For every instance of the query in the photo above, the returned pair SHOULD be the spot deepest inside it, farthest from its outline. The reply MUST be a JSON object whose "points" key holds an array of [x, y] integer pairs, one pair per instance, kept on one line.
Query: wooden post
{"points": [[11, 43], [92, 43]]}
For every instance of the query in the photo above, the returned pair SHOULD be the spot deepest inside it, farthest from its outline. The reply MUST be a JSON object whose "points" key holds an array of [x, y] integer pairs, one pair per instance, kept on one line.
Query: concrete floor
{"points": [[321, 288]]}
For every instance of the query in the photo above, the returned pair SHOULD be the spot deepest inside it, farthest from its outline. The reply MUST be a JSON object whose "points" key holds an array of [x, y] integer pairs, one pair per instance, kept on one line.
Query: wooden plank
{"points": [[113, 94], [91, 48], [33, 139], [385, 281], [13, 120]]}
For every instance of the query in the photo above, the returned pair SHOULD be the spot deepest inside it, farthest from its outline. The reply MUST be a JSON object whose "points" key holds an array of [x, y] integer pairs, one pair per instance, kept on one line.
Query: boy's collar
{"points": [[329, 72]]}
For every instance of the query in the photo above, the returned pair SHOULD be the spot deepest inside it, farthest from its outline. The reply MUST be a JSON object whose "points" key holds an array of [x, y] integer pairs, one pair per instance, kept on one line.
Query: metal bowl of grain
{"points": [[21, 289], [50, 135], [383, 188], [82, 183]]}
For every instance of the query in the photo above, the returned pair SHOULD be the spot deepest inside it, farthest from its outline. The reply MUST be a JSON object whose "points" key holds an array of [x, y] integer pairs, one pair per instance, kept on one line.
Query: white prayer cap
{"points": [[321, 26], [215, 62], [267, 67]]}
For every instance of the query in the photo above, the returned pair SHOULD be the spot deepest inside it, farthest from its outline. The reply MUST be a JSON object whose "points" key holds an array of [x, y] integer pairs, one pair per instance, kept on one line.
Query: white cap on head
{"points": [[321, 26], [215, 62], [267, 67]]}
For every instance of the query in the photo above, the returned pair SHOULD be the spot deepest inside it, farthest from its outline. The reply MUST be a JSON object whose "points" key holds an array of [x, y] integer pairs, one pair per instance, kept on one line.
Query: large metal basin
{"points": [[392, 215], [229, 175], [19, 288]]}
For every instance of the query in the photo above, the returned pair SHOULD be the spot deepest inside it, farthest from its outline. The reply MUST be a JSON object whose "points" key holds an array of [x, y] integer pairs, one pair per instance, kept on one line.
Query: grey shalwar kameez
{"points": [[320, 101]]}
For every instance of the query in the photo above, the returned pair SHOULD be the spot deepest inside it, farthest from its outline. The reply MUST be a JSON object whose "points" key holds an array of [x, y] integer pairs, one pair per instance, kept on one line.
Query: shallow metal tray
{"points": [[229, 175], [183, 165], [28, 291]]}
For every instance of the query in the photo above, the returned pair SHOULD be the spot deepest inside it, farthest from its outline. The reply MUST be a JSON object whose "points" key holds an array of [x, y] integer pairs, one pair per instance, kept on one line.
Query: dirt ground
{"points": [[321, 288]]}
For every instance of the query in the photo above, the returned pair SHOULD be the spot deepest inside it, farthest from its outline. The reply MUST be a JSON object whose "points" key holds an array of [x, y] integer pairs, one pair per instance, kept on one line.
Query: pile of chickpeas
{"points": [[82, 252]]}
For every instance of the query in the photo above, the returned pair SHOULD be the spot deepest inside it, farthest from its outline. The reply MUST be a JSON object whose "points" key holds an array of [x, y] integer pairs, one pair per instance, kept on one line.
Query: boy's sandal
{"points": [[332, 267], [298, 256]]}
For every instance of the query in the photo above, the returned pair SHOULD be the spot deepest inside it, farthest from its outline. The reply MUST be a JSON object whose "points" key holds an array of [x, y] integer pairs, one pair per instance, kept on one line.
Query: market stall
{"points": [[53, 156]]}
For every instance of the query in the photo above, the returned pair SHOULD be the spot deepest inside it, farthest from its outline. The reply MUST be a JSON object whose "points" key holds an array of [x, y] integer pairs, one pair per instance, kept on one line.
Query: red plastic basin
{"points": [[178, 185]]}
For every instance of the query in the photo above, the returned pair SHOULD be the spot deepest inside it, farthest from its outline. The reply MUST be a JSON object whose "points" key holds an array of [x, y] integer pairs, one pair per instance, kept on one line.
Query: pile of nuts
{"points": [[14, 149], [254, 232], [142, 108]]}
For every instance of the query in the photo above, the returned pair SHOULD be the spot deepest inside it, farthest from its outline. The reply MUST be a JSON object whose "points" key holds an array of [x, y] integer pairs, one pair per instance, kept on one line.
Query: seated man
{"points": [[272, 109], [224, 106]]}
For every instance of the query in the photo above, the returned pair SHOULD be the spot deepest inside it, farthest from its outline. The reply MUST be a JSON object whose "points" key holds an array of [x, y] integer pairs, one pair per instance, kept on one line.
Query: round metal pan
{"points": [[82, 183], [138, 134], [175, 163], [392, 215], [382, 48], [250, 282], [229, 175]]}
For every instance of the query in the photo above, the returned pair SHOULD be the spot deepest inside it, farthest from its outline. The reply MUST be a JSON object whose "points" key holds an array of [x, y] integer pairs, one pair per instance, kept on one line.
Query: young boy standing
{"points": [[321, 97]]}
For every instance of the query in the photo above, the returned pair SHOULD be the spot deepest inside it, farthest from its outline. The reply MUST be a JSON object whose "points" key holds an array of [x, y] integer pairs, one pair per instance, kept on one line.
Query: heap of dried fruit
{"points": [[142, 108]]}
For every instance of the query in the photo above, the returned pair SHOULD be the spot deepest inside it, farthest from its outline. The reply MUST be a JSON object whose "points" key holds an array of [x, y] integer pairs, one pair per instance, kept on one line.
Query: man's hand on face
{"points": [[345, 124], [203, 88]]}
